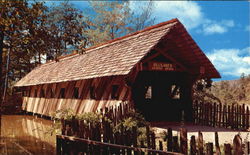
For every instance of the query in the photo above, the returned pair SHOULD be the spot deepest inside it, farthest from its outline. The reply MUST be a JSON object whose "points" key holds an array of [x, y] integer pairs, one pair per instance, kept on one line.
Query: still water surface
{"points": [[22, 134]]}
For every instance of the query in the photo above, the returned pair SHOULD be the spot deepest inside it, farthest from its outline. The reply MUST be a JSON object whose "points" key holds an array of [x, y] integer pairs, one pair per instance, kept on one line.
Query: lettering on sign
{"points": [[161, 66]]}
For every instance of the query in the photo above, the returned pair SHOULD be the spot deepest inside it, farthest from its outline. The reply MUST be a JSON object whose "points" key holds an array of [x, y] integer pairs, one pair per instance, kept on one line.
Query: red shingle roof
{"points": [[116, 57]]}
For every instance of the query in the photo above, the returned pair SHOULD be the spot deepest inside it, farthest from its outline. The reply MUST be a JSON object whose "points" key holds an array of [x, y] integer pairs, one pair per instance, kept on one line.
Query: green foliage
{"points": [[66, 114], [66, 27], [134, 119], [108, 20], [90, 117], [55, 128], [112, 19], [142, 135]]}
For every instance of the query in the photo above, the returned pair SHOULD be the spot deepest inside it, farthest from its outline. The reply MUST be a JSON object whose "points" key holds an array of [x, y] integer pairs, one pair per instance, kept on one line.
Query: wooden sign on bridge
{"points": [[160, 66]]}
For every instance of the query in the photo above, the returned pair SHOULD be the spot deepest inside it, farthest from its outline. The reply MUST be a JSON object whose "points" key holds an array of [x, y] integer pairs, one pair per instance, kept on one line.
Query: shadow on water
{"points": [[22, 134]]}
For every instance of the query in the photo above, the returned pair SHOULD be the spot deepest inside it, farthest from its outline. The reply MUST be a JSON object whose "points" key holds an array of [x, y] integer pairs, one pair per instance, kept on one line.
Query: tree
{"points": [[11, 17], [242, 90], [112, 19], [22, 29], [143, 17], [108, 20], [202, 91], [66, 28], [29, 32]]}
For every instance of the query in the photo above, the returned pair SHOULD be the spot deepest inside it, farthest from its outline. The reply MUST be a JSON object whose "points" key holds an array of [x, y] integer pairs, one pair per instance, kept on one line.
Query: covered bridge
{"points": [[154, 69]]}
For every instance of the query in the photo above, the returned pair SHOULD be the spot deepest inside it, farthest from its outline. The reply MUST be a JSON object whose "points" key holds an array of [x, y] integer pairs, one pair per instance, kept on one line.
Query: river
{"points": [[26, 135]]}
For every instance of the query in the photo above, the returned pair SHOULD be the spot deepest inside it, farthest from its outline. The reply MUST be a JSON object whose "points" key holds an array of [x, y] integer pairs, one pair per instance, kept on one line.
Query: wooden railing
{"points": [[222, 115]]}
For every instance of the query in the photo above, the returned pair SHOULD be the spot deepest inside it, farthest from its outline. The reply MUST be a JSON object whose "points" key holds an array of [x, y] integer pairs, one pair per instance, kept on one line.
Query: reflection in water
{"points": [[22, 134]]}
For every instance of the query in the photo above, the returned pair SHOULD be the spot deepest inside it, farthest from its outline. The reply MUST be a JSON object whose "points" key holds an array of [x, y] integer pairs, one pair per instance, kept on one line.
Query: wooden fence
{"points": [[222, 115], [127, 145], [101, 138]]}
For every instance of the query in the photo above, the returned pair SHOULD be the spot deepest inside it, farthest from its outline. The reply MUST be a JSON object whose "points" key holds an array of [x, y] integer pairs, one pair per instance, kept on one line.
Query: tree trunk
{"points": [[6, 75], [1, 64], [1, 83]]}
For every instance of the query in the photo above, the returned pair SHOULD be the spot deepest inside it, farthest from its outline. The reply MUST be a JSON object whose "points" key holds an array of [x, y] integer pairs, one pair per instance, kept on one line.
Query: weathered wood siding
{"points": [[35, 102]]}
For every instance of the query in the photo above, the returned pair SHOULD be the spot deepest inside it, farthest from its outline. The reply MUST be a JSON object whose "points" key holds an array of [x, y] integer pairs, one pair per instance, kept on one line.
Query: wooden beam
{"points": [[171, 59], [150, 57]]}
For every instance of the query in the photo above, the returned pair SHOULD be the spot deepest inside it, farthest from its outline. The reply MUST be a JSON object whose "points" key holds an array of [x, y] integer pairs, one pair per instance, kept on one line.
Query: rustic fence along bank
{"points": [[94, 145], [100, 138], [222, 115]]}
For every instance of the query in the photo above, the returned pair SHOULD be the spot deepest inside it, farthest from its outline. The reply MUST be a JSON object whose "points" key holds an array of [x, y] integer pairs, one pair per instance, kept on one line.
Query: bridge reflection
{"points": [[22, 134]]}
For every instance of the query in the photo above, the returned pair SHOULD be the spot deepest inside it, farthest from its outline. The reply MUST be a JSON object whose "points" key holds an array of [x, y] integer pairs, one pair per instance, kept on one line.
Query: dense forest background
{"points": [[32, 33]]}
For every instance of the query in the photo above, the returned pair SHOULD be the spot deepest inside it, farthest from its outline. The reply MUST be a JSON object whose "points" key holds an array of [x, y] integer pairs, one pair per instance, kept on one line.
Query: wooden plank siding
{"points": [[47, 105]]}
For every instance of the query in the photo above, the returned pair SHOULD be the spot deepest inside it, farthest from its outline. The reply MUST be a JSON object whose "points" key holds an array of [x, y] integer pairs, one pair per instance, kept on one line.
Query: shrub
{"points": [[90, 117], [66, 114], [133, 119]]}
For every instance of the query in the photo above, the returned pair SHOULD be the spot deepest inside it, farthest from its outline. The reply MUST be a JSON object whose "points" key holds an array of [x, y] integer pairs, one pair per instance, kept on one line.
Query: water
{"points": [[26, 135]]}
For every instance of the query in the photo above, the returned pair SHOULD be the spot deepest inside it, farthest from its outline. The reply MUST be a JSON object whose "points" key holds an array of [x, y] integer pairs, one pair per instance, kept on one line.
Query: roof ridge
{"points": [[121, 38], [134, 33]]}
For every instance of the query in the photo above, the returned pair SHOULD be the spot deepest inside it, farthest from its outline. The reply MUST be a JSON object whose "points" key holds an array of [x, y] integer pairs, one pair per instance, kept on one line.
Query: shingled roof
{"points": [[116, 57]]}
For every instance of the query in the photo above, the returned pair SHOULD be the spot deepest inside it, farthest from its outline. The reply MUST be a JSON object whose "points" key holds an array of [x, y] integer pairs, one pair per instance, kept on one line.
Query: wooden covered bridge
{"points": [[154, 69]]}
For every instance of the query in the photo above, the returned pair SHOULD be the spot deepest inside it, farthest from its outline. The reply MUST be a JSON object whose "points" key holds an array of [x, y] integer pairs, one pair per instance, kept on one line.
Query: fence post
{"points": [[220, 114], [229, 116], [247, 148], [58, 145], [183, 139], [175, 144], [215, 114], [200, 143], [217, 146], [206, 114], [134, 133], [209, 148], [211, 114], [193, 146], [240, 117], [243, 117], [227, 149], [224, 118], [232, 117], [237, 117], [247, 118], [237, 145], [170, 140]]}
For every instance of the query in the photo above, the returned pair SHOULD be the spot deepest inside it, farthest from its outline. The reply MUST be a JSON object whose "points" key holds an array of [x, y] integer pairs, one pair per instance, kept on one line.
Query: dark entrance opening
{"points": [[158, 95]]}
